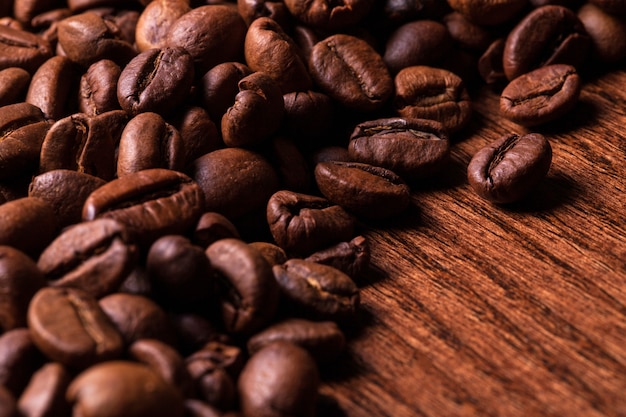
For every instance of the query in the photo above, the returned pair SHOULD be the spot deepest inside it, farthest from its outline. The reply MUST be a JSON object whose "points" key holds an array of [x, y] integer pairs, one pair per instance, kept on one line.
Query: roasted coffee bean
{"points": [[212, 227], [94, 256], [212, 34], [116, 388], [83, 143], [27, 224], [220, 85], [164, 360], [607, 33], [290, 377], [274, 9], [51, 86], [467, 34], [212, 383], [541, 96], [424, 92], [155, 21], [256, 113], [547, 35], [98, 88], [308, 114], [8, 408], [194, 331], [87, 38], [20, 279], [488, 12], [302, 223], [509, 168], [318, 291], [325, 15], [69, 327], [22, 49], [490, 63], [324, 340], [422, 42], [65, 191], [352, 257], [179, 272], [147, 142], [19, 359], [247, 288], [235, 181], [349, 70], [268, 48], [151, 203], [137, 317], [365, 190], [14, 83], [198, 132], [45, 393], [273, 254], [412, 148], [157, 80]]}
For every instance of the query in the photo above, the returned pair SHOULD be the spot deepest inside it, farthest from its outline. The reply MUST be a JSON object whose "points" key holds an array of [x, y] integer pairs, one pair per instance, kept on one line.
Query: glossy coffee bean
{"points": [[28, 224], [155, 21], [490, 63], [198, 132], [272, 253], [98, 88], [45, 393], [510, 167], [541, 96], [22, 49], [51, 87], [352, 258], [220, 85]]}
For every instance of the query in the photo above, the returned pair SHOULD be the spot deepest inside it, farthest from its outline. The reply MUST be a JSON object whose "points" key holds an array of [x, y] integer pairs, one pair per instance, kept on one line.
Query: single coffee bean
{"points": [[251, 10], [318, 291], [137, 317], [157, 80], [541, 96], [349, 70], [117, 388], [365, 190], [28, 224], [197, 131], [45, 393], [607, 33], [20, 279], [273, 254], [412, 148], [328, 16], [351, 258], [490, 63], [290, 377], [22, 49], [94, 256], [509, 168], [69, 327], [547, 35], [247, 289], [51, 87], [14, 83], [324, 340], [302, 223], [220, 85], [424, 92], [173, 200], [212, 227], [488, 12], [155, 21], [98, 88], [467, 34]]}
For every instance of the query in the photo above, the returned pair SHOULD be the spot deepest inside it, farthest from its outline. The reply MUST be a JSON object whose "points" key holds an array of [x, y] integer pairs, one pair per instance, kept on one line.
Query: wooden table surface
{"points": [[474, 309]]}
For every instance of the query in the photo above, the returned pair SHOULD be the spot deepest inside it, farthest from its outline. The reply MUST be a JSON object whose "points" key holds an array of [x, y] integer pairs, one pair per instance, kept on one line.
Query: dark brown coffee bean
{"points": [[194, 331], [467, 34], [22, 49], [318, 291], [248, 185], [51, 88], [220, 85], [268, 48], [509, 168], [87, 38], [45, 393], [69, 327], [212, 34], [488, 12], [308, 114], [98, 88], [20, 279], [157, 80], [490, 63], [155, 21], [365, 190], [28, 224], [412, 148], [274, 9], [290, 377], [547, 35], [325, 15], [212, 227], [19, 359], [607, 33], [94, 256], [137, 317], [65, 191], [541, 96], [173, 200], [421, 42], [352, 258], [324, 340], [123, 388], [424, 92], [273, 254], [198, 132], [349, 70], [8, 408], [302, 223], [14, 83], [212, 383], [247, 288]]}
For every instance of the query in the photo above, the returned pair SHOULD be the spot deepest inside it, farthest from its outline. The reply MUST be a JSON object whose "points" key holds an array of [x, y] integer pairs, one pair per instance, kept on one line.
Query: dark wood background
{"points": [[474, 309]]}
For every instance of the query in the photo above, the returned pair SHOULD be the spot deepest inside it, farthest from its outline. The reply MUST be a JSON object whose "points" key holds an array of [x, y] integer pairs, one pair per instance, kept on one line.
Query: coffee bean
{"points": [[307, 114], [467, 34], [69, 327], [28, 224], [98, 88], [212, 227], [52, 86], [490, 63], [198, 132], [352, 258], [488, 12], [329, 16], [607, 33], [45, 393], [255, 9], [290, 163], [14, 83], [220, 85], [155, 21], [509, 168], [541, 96], [272, 253], [22, 49]]}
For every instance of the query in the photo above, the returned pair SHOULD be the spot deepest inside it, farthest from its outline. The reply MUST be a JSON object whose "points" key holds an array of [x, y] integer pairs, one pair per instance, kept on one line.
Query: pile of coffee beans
{"points": [[184, 183]]}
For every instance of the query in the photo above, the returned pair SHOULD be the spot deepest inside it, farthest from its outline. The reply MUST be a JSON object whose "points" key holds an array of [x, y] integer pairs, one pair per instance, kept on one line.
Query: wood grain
{"points": [[519, 310]]}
